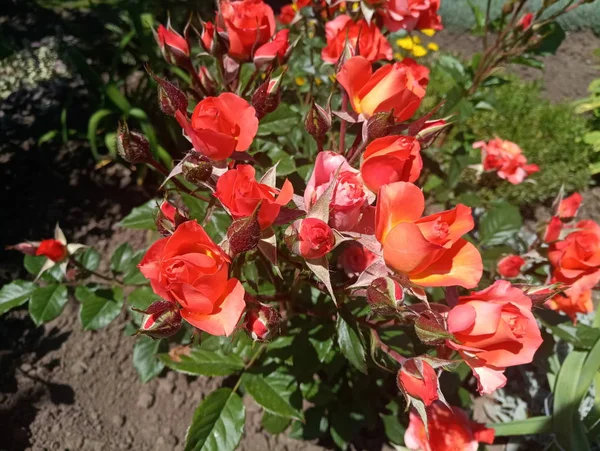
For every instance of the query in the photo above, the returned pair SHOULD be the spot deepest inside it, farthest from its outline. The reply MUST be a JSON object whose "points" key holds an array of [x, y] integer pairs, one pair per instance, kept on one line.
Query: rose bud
{"points": [[510, 266], [53, 249], [380, 124], [169, 218], [263, 323], [568, 206], [418, 379], [310, 238], [132, 146], [206, 80], [196, 170], [207, 37], [267, 96], [244, 234], [385, 296], [173, 46], [525, 21], [274, 52], [24, 248], [318, 122], [161, 320], [431, 328], [170, 98]]}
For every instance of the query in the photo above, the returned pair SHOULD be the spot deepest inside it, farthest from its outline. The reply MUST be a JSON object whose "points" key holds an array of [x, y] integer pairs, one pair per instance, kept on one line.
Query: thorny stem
{"points": [[344, 124], [97, 274], [385, 348]]}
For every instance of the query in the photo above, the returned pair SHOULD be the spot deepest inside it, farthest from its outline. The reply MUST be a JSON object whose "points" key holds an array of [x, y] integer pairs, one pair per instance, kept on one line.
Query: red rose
{"points": [[355, 258], [274, 50], [367, 38], [238, 190], [189, 269], [510, 266], [249, 24], [526, 21], [221, 125], [53, 249], [569, 205], [553, 230], [412, 15], [418, 379], [173, 46], [314, 238]]}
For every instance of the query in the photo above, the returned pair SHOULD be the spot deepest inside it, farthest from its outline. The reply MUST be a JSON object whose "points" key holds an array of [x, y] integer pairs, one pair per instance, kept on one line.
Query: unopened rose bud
{"points": [[263, 323], [170, 98], [318, 122], [380, 125], [173, 46], [267, 96], [52, 249], [196, 171], [206, 80], [132, 146], [161, 319], [310, 238], [273, 52], [431, 329], [417, 379], [169, 218], [207, 36], [385, 296], [244, 234], [24, 248]]}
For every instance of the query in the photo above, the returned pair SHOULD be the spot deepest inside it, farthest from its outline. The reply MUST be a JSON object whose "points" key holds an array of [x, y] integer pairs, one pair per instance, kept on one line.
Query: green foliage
{"points": [[15, 294], [202, 362], [99, 306], [145, 359]]}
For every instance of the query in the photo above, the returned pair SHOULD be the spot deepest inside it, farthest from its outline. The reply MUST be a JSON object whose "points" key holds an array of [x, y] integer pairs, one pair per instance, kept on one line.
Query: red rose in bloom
{"points": [[274, 50], [510, 266], [553, 230], [412, 15], [391, 159], [525, 21], [576, 259], [188, 268], [429, 250], [571, 304], [399, 87], [349, 196], [221, 125], [370, 42], [238, 190], [249, 24], [568, 206], [53, 249], [354, 259], [171, 43], [315, 238], [494, 329], [449, 430], [507, 158], [418, 379]]}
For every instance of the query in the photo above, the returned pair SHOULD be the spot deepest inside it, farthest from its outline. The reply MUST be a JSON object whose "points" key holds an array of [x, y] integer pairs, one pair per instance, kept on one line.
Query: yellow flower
{"points": [[419, 51], [416, 39], [428, 31], [295, 6], [355, 7], [398, 56], [300, 81], [332, 78], [405, 43], [433, 46], [318, 81]]}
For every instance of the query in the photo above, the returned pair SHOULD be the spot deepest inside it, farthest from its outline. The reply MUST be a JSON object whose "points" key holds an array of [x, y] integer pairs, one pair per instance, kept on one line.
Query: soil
{"points": [[62, 388]]}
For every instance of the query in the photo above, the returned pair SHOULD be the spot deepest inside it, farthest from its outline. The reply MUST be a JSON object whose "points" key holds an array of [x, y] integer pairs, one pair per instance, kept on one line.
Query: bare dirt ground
{"points": [[62, 388]]}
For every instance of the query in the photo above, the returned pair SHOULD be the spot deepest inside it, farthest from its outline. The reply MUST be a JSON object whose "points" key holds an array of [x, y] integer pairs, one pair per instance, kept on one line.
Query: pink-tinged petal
{"points": [[397, 202], [405, 248], [355, 73], [568, 207], [286, 193], [225, 316], [460, 265], [194, 300], [461, 318], [488, 380], [487, 318]]}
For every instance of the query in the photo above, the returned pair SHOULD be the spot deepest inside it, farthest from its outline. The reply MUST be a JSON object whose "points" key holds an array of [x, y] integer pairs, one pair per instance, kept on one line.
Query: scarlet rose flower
{"points": [[525, 21], [507, 158], [391, 159], [399, 87], [354, 259], [189, 269], [273, 50], [510, 266], [553, 230], [412, 15], [349, 196], [368, 39], [494, 329], [428, 250], [576, 259], [418, 379], [572, 303], [449, 430], [238, 190], [173, 46], [52, 249], [221, 125], [568, 206], [315, 238], [249, 24]]}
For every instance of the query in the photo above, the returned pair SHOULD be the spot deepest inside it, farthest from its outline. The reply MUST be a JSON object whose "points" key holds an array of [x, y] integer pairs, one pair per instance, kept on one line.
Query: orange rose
{"points": [[399, 87], [449, 430], [249, 24], [506, 158], [494, 329], [569, 205], [366, 38], [571, 304], [428, 250], [189, 269], [412, 15], [238, 190], [510, 266], [418, 379], [220, 126], [391, 159], [576, 259]]}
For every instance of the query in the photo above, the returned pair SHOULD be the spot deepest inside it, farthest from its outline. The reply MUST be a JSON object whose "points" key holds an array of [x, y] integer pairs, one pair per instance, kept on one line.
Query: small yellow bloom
{"points": [[263, 75], [405, 43], [343, 7], [428, 31], [332, 78], [355, 7], [433, 46], [398, 56], [295, 6], [416, 39], [419, 51], [300, 81], [318, 81]]}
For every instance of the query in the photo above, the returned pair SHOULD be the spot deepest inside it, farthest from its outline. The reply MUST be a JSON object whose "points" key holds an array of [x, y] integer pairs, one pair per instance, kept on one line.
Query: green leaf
{"points": [[47, 303], [142, 297], [530, 426], [274, 424], [89, 259], [351, 341], [145, 361], [142, 217], [133, 276], [93, 125], [114, 94], [589, 370], [100, 307], [344, 425], [500, 224], [271, 394], [201, 362], [218, 423], [553, 35], [33, 264], [281, 121], [580, 336], [15, 294], [394, 429], [121, 259]]}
